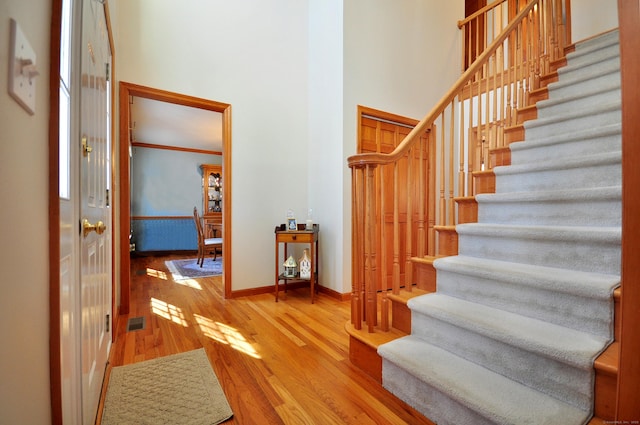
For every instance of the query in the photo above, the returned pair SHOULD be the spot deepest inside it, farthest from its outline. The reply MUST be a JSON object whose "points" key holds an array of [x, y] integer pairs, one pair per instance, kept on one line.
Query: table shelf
{"points": [[302, 235]]}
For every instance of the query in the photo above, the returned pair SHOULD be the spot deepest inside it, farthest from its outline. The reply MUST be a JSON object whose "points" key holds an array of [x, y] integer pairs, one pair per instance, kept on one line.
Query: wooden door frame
{"points": [[628, 408], [126, 91]]}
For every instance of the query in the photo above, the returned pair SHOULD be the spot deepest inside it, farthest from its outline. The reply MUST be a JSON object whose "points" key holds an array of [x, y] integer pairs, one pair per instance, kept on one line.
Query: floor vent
{"points": [[135, 324]]}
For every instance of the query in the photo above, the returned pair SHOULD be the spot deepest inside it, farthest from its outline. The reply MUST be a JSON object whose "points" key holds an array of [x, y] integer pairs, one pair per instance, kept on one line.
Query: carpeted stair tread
{"points": [[584, 141], [570, 86], [553, 233], [577, 162], [597, 63], [605, 92], [595, 114], [590, 51], [588, 284], [594, 170], [495, 398], [590, 249], [562, 344], [574, 207], [540, 292]]}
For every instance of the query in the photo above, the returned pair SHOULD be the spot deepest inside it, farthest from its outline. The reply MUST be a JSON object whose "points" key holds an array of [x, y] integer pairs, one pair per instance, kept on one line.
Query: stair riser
{"points": [[593, 212], [526, 299], [584, 255], [569, 124], [539, 153], [427, 400], [610, 95], [508, 360]]}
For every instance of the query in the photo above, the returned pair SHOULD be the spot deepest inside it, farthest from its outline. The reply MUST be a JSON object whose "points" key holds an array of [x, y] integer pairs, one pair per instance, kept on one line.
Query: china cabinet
{"points": [[212, 198]]}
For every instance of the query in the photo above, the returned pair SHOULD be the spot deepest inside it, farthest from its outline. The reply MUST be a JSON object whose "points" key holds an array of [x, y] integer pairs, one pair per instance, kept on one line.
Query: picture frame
{"points": [[291, 224]]}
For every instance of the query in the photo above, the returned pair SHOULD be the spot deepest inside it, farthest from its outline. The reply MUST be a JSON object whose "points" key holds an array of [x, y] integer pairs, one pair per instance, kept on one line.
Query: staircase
{"points": [[520, 314]]}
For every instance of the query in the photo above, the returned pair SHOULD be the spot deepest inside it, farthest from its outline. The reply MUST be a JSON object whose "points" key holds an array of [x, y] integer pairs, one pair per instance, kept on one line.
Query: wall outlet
{"points": [[22, 71]]}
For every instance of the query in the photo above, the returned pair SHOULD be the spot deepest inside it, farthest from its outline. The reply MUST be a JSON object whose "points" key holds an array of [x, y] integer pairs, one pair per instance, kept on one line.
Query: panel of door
{"points": [[95, 245], [383, 136]]}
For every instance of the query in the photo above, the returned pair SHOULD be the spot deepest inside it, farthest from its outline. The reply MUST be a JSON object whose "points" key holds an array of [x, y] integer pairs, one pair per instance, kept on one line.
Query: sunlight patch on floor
{"points": [[168, 311], [226, 335], [156, 273], [191, 283]]}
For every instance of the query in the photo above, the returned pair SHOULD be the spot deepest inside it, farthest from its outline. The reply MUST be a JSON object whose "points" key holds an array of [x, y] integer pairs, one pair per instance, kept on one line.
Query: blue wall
{"points": [[166, 183]]}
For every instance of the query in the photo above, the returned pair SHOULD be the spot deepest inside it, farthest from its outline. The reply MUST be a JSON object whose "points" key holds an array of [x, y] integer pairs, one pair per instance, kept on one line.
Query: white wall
{"points": [[252, 54], [592, 17], [24, 303], [326, 159]]}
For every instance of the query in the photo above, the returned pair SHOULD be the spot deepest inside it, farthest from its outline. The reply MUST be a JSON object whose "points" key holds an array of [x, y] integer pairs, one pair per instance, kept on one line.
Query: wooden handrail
{"points": [[360, 160], [480, 12]]}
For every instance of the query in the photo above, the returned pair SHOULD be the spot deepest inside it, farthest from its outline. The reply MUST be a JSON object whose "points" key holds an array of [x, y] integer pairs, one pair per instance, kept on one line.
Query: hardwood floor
{"points": [[278, 363]]}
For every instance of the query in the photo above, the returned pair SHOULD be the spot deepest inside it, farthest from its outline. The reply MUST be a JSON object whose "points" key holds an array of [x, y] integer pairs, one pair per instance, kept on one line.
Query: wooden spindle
{"points": [[370, 289], [461, 149], [384, 312], [421, 197], [381, 248], [443, 205], [396, 232], [471, 154], [408, 276], [357, 251], [451, 219]]}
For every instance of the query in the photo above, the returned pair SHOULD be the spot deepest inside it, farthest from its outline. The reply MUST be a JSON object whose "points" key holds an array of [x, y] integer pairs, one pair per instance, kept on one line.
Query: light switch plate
{"points": [[22, 86]]}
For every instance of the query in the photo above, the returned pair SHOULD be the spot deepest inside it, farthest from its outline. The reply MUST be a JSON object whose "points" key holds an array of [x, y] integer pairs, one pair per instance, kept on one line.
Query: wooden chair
{"points": [[205, 245]]}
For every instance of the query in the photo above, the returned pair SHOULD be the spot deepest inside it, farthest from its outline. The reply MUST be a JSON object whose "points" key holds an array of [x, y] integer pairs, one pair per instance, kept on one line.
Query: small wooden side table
{"points": [[285, 237]]}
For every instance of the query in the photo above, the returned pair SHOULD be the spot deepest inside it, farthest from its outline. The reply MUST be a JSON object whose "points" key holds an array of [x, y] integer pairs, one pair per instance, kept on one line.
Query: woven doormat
{"points": [[176, 389]]}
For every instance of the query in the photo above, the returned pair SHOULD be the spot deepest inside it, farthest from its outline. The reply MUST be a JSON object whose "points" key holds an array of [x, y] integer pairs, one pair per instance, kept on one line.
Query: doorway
{"points": [[127, 91]]}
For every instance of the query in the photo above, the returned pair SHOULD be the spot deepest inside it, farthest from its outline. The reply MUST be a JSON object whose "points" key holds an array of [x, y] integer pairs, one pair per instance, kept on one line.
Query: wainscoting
{"points": [[164, 234]]}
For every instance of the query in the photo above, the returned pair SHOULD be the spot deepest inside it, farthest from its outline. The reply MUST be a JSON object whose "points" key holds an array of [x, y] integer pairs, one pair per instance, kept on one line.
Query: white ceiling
{"points": [[170, 124]]}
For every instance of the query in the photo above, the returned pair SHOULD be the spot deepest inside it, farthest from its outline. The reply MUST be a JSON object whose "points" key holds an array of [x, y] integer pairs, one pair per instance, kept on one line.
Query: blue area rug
{"points": [[189, 269]]}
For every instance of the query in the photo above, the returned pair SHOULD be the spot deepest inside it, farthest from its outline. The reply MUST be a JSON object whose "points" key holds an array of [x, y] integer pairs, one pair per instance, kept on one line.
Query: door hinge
{"points": [[108, 323], [107, 71], [107, 190]]}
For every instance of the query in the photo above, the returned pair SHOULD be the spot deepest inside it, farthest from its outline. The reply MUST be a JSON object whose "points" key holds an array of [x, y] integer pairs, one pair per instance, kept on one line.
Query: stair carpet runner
{"points": [[519, 316]]}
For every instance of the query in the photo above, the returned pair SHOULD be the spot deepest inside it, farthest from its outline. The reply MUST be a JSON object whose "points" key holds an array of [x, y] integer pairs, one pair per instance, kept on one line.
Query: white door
{"points": [[85, 173], [95, 239]]}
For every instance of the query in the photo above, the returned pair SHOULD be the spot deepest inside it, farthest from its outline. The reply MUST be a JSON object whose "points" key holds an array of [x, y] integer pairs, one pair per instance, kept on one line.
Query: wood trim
{"points": [[55, 380], [112, 196], [174, 148], [388, 116], [124, 197], [628, 405], [226, 205], [126, 91]]}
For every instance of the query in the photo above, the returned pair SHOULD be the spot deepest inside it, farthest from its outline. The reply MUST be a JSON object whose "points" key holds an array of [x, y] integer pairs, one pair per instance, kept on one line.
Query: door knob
{"points": [[87, 227]]}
